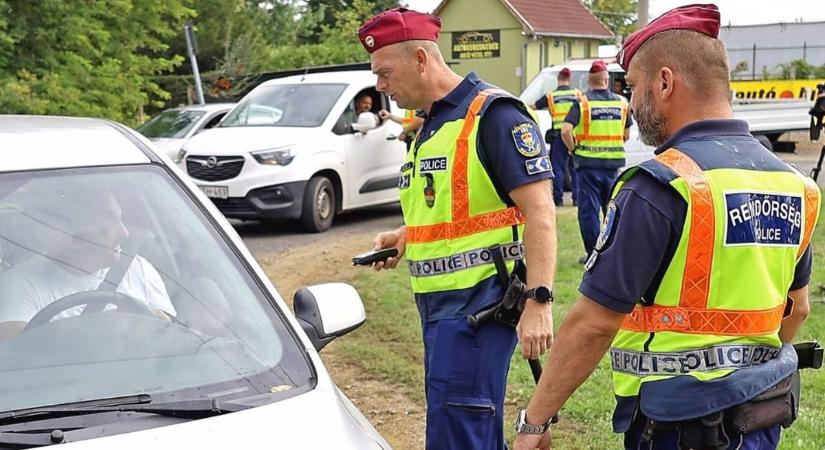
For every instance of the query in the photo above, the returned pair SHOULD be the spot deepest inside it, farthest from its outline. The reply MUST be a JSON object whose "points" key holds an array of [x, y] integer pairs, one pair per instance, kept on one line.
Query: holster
{"points": [[512, 302], [777, 405], [550, 134]]}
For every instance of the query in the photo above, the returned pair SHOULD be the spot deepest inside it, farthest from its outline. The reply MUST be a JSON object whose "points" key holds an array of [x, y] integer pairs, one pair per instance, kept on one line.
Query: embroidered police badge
{"points": [[527, 139], [607, 226]]}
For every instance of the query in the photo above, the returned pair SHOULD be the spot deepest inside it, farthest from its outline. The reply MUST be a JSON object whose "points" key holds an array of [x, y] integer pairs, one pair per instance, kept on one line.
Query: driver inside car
{"points": [[73, 235]]}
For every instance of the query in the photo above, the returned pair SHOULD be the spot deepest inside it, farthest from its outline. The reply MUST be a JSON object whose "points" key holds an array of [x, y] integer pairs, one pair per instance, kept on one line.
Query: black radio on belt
{"points": [[809, 355]]}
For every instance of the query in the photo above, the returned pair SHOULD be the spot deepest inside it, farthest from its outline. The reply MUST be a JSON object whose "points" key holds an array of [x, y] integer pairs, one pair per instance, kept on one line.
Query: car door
{"points": [[373, 157]]}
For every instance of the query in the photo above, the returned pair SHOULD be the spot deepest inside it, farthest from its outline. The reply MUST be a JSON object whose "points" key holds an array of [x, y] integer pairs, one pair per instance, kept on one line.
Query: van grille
{"points": [[214, 168]]}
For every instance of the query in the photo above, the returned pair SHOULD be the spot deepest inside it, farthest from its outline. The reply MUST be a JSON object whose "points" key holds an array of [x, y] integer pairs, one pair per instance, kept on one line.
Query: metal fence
{"points": [[761, 62]]}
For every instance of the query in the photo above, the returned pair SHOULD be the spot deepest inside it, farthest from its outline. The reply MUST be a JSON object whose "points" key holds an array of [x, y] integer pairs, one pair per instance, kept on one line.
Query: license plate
{"points": [[215, 191]]}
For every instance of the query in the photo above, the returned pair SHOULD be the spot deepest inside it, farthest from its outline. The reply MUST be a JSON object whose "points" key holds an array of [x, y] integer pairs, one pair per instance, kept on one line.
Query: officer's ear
{"points": [[422, 59], [665, 83]]}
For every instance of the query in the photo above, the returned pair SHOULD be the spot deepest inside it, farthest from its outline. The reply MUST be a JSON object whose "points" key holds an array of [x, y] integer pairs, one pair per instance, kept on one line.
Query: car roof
{"points": [[583, 64], [208, 107], [44, 142], [346, 76]]}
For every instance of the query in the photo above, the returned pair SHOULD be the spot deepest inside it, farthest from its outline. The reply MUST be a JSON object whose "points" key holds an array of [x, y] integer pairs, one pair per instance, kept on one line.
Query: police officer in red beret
{"points": [[594, 132], [699, 279], [475, 189], [558, 103]]}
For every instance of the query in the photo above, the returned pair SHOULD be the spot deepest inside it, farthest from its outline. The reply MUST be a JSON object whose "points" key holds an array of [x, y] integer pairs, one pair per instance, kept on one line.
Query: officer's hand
{"points": [[402, 137], [535, 328], [533, 441], [396, 239], [383, 114]]}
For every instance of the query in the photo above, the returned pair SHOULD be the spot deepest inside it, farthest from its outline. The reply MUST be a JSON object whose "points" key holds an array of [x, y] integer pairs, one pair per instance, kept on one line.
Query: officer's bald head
{"points": [[700, 61]]}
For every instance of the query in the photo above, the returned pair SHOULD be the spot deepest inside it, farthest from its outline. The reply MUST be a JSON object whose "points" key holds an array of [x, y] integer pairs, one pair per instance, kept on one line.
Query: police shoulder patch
{"points": [[608, 226], [527, 139]]}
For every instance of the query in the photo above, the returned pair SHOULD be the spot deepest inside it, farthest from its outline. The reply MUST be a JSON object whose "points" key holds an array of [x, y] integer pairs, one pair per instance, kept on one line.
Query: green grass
{"points": [[389, 346]]}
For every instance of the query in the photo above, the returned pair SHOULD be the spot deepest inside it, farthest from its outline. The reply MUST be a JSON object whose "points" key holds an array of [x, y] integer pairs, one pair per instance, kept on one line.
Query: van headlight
{"points": [[275, 157]]}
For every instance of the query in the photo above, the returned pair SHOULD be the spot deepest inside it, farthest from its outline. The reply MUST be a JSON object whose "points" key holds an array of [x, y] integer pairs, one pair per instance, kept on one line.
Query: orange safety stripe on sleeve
{"points": [[811, 213], [699, 258], [462, 224], [653, 319]]}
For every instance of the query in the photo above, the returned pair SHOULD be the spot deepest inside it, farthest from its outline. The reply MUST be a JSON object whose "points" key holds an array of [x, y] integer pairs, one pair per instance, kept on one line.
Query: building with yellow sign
{"points": [[507, 42]]}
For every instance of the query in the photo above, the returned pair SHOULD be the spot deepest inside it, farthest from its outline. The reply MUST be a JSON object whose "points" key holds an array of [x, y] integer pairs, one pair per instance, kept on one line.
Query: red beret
{"points": [[598, 66], [699, 18], [398, 25], [564, 73]]}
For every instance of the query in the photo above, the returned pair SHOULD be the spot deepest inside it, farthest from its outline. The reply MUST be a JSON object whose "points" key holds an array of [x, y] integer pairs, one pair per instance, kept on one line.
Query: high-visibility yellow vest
{"points": [[452, 210], [409, 115], [600, 131], [720, 303], [559, 103]]}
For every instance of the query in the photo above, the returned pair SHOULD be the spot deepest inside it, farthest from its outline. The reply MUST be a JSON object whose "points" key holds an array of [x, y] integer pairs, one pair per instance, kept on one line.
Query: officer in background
{"points": [[601, 125], [558, 103], [700, 275], [477, 177]]}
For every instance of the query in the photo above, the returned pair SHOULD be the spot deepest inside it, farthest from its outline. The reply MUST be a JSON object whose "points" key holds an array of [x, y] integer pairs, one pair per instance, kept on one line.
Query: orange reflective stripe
{"points": [[699, 259], [624, 115], [601, 137], [811, 213], [550, 106], [652, 319], [466, 227], [462, 224]]}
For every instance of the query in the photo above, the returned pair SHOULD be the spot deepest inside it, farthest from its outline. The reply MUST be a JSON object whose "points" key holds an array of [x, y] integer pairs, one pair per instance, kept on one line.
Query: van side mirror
{"points": [[366, 121], [328, 311]]}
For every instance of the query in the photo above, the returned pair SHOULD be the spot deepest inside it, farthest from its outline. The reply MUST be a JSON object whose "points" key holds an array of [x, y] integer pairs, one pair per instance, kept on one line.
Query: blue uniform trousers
{"points": [[594, 193], [562, 163], [465, 375], [764, 439]]}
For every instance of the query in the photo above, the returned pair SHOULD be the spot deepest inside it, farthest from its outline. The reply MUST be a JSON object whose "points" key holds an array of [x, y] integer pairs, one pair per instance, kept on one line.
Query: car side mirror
{"points": [[366, 121], [327, 311]]}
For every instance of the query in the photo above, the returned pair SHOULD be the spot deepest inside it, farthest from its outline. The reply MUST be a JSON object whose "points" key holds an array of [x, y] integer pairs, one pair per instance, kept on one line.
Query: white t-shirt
{"points": [[33, 284]]}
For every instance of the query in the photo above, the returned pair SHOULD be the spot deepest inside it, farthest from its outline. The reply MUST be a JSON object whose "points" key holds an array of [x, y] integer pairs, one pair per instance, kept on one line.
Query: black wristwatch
{"points": [[541, 294]]}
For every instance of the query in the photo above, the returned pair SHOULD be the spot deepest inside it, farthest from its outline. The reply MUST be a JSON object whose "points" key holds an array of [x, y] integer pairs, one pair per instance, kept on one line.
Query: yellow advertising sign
{"points": [[775, 89]]}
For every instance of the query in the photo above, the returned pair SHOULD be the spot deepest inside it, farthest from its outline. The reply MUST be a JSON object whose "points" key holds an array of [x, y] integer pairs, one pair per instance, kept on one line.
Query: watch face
{"points": [[543, 294]]}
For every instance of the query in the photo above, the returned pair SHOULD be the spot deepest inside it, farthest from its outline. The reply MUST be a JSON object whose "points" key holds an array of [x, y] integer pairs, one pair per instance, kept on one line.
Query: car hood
{"points": [[219, 141], [319, 419]]}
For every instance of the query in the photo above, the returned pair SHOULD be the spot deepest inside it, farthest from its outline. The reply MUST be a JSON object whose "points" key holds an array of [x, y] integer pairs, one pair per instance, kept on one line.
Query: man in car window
{"points": [[74, 234]]}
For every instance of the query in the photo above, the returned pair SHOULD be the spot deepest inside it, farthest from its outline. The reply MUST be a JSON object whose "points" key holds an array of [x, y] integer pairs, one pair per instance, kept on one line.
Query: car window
{"points": [[185, 315], [285, 105], [170, 124]]}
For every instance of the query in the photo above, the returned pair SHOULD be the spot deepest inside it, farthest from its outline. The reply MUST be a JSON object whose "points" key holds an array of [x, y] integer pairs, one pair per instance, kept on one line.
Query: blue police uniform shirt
{"points": [[627, 269], [503, 156], [574, 116]]}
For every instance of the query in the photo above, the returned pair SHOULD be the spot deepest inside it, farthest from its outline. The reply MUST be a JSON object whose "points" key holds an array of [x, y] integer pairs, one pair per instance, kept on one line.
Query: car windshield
{"points": [[547, 80], [173, 124], [113, 282], [285, 105]]}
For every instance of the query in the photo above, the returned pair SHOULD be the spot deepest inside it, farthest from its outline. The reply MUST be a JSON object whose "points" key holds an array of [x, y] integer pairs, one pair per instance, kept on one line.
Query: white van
{"points": [[293, 149]]}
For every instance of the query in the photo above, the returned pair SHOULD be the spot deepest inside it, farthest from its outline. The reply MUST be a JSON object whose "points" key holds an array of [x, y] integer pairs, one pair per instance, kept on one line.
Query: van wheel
{"points": [[319, 205]]}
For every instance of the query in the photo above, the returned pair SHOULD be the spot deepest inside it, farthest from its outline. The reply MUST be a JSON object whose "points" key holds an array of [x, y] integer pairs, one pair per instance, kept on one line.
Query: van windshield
{"points": [[170, 124], [285, 105], [113, 282]]}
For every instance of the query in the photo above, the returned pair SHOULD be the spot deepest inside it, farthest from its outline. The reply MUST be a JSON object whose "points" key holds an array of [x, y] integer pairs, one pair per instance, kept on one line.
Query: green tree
{"points": [[86, 57], [618, 15]]}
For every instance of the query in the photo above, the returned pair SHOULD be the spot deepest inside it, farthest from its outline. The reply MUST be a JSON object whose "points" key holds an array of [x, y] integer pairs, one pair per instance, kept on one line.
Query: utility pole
{"points": [[642, 12], [191, 49]]}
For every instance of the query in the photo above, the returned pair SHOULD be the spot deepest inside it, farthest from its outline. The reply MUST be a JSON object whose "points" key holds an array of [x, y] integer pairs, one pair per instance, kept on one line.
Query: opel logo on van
{"points": [[211, 162]]}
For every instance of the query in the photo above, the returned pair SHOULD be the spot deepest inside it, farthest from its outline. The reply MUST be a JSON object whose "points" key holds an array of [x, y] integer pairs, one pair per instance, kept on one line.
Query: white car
{"points": [[293, 148], [133, 317], [170, 129]]}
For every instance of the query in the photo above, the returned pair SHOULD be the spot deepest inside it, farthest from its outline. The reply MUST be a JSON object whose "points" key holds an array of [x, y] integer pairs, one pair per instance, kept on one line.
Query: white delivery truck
{"points": [[767, 120], [293, 148]]}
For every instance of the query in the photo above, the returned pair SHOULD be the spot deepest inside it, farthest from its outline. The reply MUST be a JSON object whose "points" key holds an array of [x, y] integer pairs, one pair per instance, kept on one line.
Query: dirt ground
{"points": [[397, 417]]}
